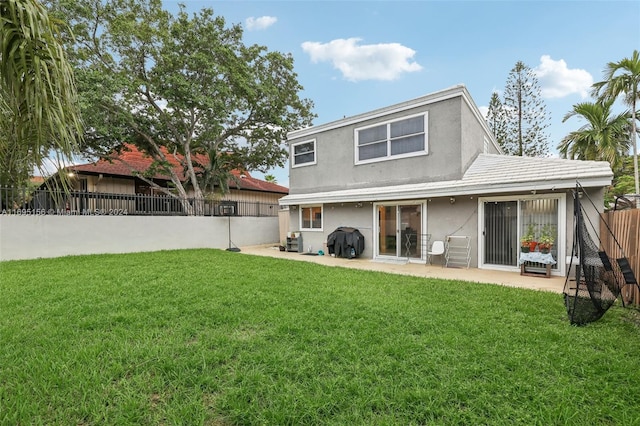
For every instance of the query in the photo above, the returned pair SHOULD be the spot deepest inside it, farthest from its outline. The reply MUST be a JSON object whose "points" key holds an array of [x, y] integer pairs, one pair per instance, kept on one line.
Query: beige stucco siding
{"points": [[252, 196], [109, 185]]}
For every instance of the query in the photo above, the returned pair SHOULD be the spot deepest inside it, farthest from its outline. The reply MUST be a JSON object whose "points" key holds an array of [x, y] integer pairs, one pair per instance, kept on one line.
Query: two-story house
{"points": [[420, 171]]}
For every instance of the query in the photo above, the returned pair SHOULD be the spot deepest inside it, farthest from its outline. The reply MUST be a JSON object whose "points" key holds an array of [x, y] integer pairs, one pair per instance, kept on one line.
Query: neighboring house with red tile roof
{"points": [[121, 176]]}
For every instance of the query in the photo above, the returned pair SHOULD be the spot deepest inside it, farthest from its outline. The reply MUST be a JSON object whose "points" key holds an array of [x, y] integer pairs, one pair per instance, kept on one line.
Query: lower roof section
{"points": [[488, 174]]}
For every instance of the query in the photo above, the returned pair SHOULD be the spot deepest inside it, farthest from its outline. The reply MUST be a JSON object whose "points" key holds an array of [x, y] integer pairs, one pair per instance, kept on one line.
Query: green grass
{"points": [[219, 338]]}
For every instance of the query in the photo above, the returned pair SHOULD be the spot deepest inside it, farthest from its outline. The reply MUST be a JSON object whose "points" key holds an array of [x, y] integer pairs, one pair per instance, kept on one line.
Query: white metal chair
{"points": [[437, 249]]}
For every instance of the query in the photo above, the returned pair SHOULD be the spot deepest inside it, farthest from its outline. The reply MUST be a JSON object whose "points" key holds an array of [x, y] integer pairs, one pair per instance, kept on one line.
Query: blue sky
{"points": [[356, 56]]}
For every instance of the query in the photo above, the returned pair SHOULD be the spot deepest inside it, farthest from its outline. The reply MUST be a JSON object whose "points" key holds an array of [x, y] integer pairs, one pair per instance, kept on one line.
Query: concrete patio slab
{"points": [[511, 279]]}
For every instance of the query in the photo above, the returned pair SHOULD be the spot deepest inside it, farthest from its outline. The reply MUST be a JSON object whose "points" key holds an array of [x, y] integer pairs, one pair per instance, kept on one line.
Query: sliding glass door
{"points": [[501, 232], [505, 220], [387, 225], [400, 231]]}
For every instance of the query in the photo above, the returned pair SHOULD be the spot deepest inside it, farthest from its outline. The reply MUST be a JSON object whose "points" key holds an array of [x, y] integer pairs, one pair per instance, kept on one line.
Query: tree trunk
{"points": [[520, 147], [198, 197]]}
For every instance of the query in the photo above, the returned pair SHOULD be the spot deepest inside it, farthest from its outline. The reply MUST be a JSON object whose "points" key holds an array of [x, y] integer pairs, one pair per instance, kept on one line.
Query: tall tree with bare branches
{"points": [[525, 114]]}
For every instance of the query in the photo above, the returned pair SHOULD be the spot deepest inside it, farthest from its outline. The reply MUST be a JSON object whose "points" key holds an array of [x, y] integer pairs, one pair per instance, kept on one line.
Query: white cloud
{"points": [[364, 62], [558, 81], [260, 23], [484, 110]]}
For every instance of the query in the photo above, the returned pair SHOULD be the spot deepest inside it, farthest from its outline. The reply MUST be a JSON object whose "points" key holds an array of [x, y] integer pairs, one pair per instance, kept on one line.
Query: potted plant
{"points": [[528, 240], [547, 238]]}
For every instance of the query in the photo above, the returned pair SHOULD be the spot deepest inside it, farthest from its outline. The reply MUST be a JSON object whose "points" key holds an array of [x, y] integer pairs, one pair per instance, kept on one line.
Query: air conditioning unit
{"points": [[227, 210]]}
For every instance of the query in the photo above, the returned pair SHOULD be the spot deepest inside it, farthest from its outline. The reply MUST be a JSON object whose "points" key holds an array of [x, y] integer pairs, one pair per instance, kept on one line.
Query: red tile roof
{"points": [[131, 161]]}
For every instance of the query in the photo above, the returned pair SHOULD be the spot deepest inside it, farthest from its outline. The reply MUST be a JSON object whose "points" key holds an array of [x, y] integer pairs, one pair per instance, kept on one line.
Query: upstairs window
{"points": [[406, 137], [303, 153]]}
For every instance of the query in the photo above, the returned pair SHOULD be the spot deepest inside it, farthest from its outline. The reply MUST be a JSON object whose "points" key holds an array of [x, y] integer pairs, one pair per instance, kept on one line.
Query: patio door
{"points": [[400, 231], [505, 219], [501, 233]]}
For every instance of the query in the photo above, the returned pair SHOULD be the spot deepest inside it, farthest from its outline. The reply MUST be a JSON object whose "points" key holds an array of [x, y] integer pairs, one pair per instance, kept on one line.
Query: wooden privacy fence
{"points": [[625, 226]]}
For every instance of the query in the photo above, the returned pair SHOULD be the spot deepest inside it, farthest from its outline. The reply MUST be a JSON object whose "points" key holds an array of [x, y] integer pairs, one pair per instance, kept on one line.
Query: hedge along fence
{"points": [[33, 236], [625, 226]]}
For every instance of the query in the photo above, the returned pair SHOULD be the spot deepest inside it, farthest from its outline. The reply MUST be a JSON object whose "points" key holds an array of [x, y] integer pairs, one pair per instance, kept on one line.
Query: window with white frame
{"points": [[406, 137], [303, 153], [311, 218]]}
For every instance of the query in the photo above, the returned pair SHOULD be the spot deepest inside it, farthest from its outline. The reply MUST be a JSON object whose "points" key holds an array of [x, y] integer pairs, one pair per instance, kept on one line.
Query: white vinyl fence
{"points": [[36, 236]]}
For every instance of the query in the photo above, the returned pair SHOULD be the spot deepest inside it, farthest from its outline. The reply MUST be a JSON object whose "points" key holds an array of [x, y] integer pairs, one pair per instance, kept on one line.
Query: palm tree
{"points": [[623, 78], [603, 137], [37, 91]]}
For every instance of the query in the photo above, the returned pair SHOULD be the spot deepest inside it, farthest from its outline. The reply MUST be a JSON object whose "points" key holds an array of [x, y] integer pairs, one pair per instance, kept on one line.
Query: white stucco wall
{"points": [[30, 237]]}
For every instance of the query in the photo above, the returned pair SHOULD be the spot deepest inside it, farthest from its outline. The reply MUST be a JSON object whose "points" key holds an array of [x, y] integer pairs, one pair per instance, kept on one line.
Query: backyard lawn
{"points": [[219, 338]]}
